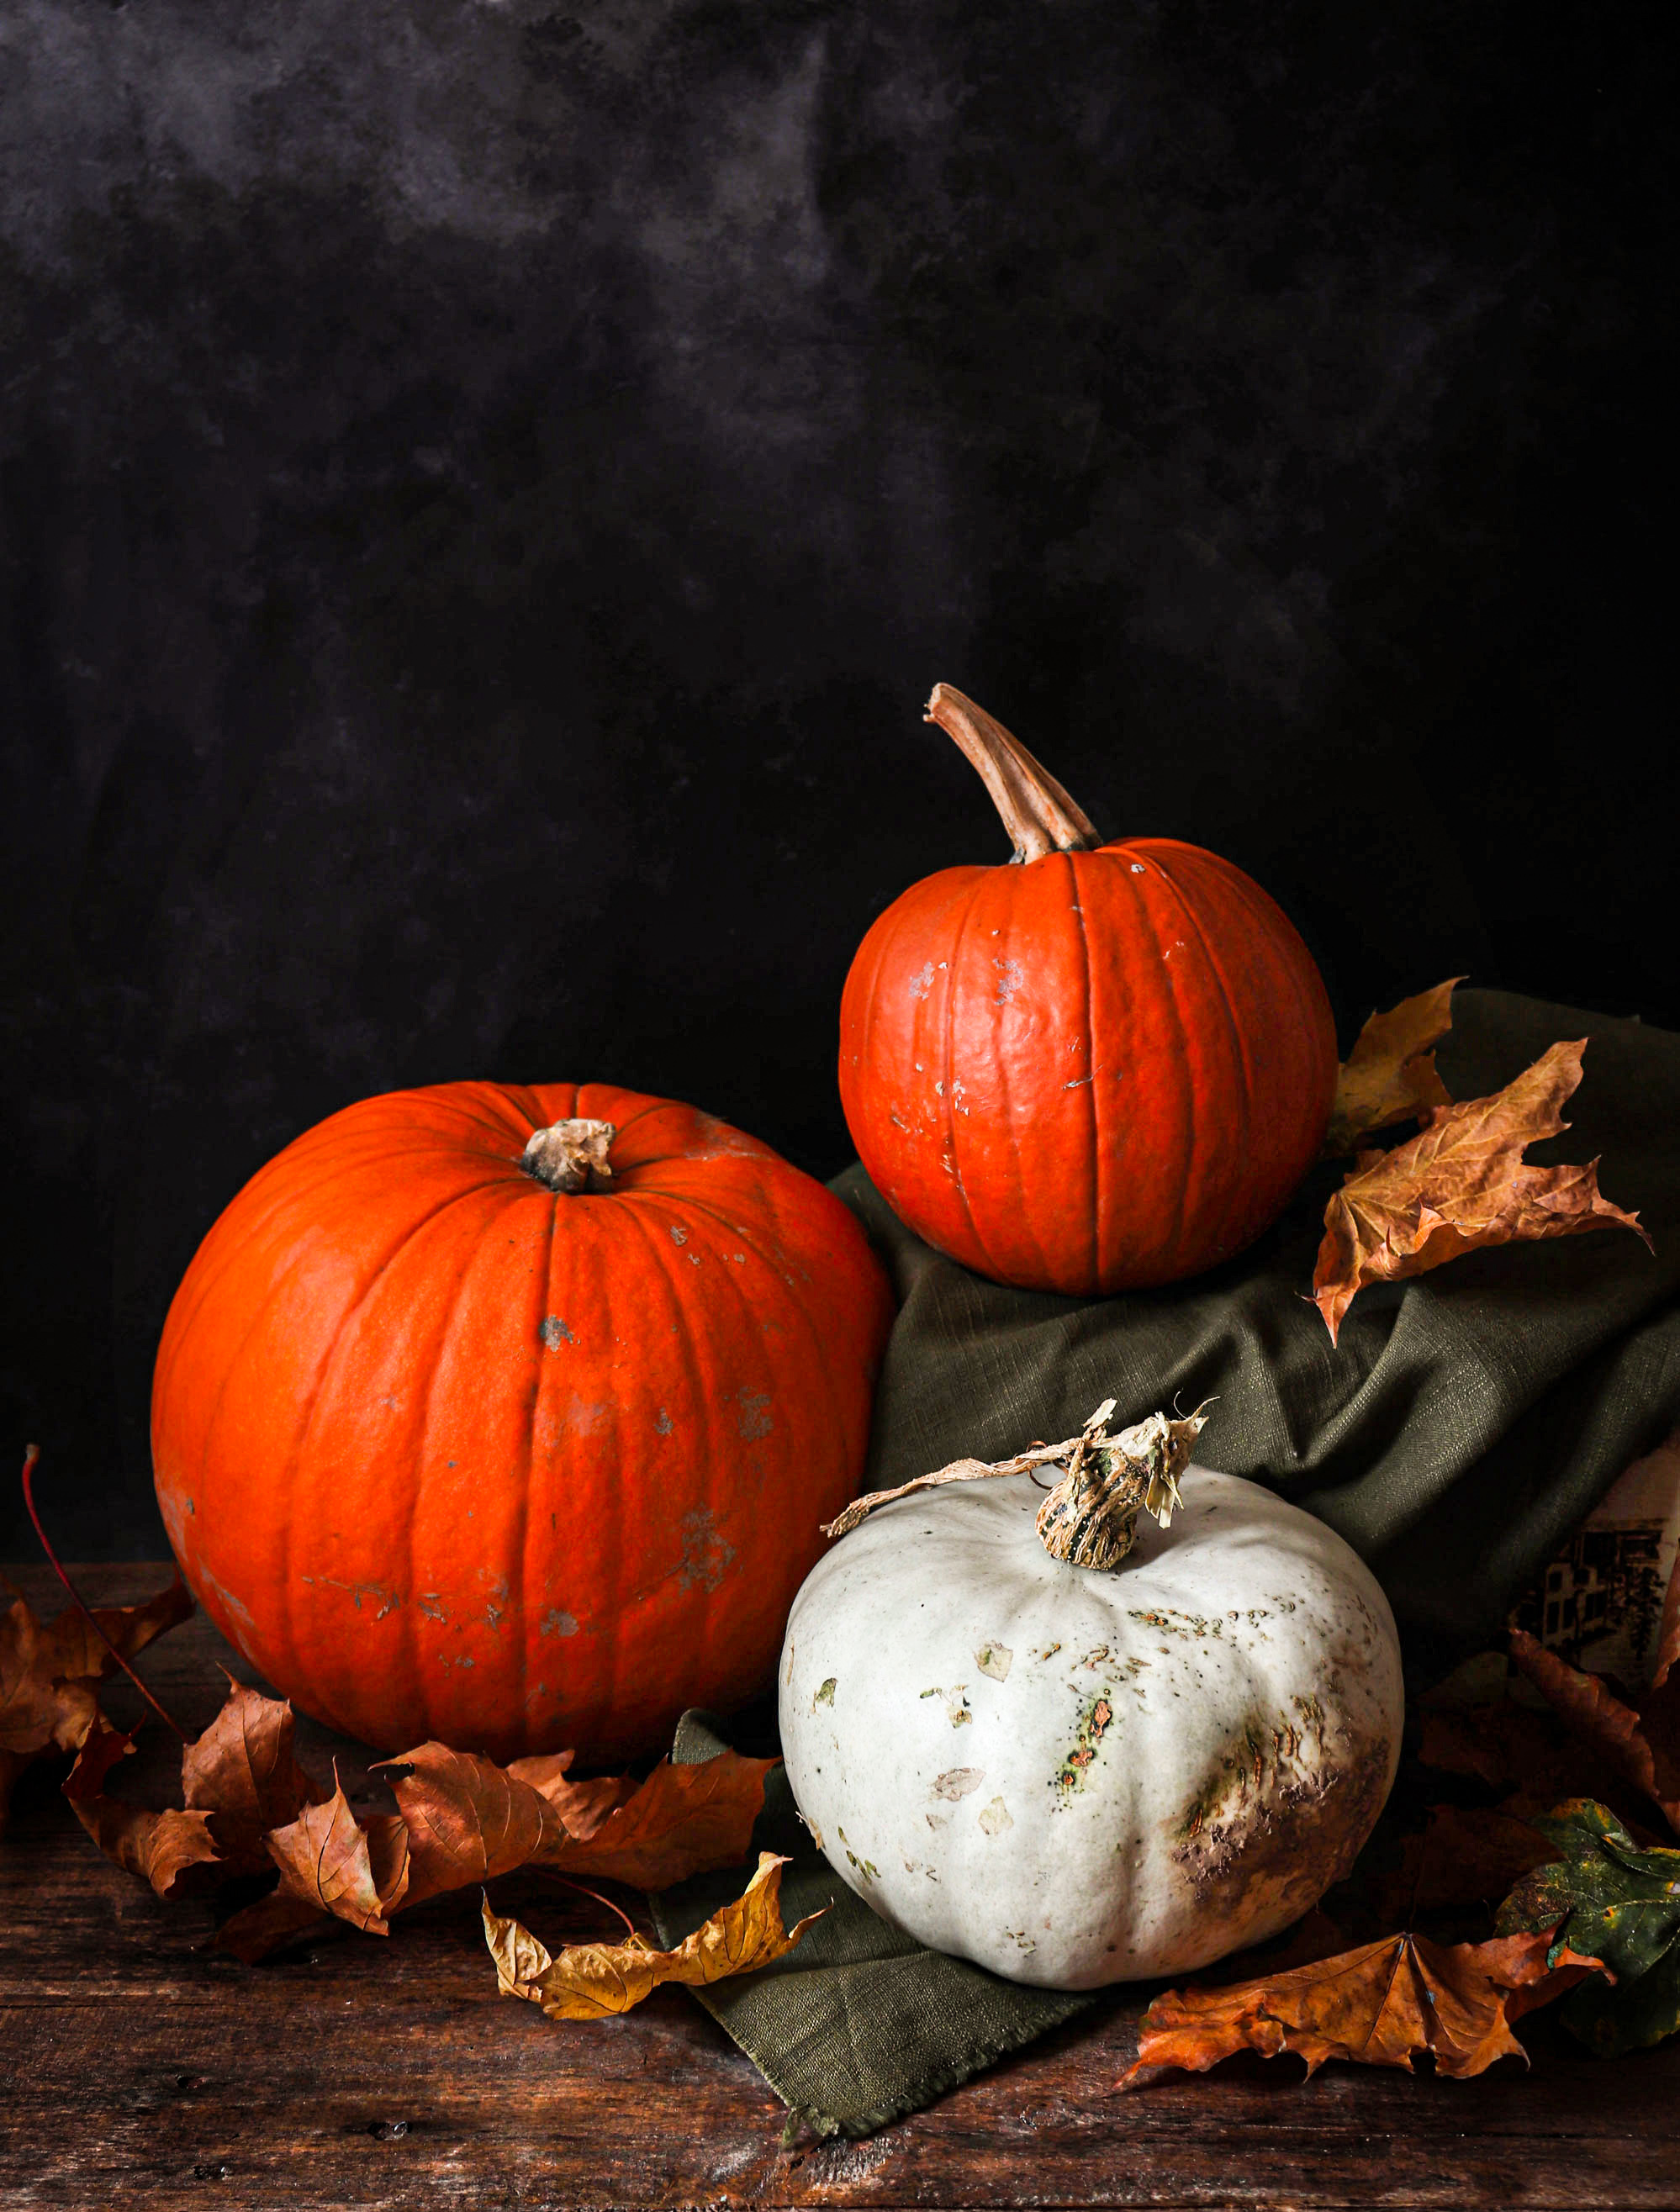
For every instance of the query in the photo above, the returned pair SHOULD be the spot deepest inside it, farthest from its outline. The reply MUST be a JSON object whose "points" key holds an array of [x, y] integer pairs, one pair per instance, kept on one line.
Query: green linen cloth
{"points": [[1465, 1422]]}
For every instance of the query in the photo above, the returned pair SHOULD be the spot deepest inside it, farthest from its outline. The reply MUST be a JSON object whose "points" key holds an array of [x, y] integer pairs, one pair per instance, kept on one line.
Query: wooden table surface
{"points": [[139, 2068]]}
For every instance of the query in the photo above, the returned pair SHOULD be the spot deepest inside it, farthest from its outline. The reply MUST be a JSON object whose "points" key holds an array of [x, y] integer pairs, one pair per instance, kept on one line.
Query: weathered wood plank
{"points": [[141, 2070]]}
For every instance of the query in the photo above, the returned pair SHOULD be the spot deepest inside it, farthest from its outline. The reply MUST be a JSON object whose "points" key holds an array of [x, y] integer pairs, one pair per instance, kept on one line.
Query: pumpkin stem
{"points": [[1090, 1518], [570, 1156], [1036, 813]]}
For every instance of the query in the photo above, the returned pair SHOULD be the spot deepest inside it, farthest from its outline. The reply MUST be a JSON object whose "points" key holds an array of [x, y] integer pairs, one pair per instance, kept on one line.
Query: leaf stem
{"points": [[31, 1453], [583, 1891]]}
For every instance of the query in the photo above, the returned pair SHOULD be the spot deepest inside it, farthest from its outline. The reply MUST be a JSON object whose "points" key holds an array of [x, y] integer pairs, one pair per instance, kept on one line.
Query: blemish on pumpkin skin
{"points": [[755, 1419], [555, 1622], [664, 1426], [1070, 1775], [995, 1660], [825, 1695], [554, 1333], [706, 1555], [1284, 1818], [389, 1599], [957, 1782]]}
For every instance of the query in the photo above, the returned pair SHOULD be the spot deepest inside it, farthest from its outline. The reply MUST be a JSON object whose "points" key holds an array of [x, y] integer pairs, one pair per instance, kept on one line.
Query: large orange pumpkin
{"points": [[508, 1416], [1099, 1067]]}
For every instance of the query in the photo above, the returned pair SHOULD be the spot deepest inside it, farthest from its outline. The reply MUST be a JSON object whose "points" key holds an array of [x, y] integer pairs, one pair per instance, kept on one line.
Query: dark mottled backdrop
{"points": [[486, 490]]}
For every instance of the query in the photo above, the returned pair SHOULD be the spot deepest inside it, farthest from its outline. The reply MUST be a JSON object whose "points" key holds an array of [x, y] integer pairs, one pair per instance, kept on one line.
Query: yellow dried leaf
{"points": [[1458, 1185], [1390, 1075], [589, 1981]]}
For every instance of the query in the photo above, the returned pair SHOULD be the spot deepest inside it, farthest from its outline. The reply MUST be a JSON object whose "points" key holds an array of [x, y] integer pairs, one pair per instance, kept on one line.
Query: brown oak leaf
{"points": [[1460, 1185], [49, 1674], [1390, 1075], [1379, 2005], [1641, 1742], [159, 1847], [588, 1981]]}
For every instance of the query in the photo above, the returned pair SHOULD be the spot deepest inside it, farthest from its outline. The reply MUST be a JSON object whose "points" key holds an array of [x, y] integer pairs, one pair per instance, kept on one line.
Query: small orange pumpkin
{"points": [[508, 1416], [1100, 1067]]}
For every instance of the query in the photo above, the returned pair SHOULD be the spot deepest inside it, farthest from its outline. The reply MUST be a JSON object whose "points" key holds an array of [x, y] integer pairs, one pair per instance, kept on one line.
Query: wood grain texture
{"points": [[142, 2070]]}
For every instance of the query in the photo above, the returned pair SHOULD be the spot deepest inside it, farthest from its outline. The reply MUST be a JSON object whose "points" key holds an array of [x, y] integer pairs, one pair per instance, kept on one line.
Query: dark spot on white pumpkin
{"points": [[825, 1695], [1273, 1830]]}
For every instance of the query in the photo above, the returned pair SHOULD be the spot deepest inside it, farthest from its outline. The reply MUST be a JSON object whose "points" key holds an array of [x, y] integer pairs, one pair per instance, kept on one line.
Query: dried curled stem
{"points": [[1035, 811], [570, 1156], [1090, 1517]]}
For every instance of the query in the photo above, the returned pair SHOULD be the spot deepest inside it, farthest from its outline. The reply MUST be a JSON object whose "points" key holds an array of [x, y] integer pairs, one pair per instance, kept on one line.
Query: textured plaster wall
{"points": [[485, 490]]}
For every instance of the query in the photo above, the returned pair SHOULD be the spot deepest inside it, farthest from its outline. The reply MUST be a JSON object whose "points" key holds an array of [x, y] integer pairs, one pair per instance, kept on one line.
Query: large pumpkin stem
{"points": [[1090, 1517], [1036, 813], [570, 1156]]}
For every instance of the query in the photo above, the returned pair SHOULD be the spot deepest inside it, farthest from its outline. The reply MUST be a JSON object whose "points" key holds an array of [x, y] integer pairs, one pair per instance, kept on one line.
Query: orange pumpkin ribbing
{"points": [[1091, 1070], [445, 1453]]}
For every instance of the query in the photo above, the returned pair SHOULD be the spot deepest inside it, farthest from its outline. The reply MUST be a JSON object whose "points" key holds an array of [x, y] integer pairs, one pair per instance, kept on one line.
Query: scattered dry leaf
{"points": [[159, 1847], [49, 1674], [1639, 1742], [1460, 1185], [331, 1860], [1379, 2005], [249, 1805], [683, 1821], [470, 1820], [1390, 1075], [586, 1981], [241, 1772], [1461, 1857]]}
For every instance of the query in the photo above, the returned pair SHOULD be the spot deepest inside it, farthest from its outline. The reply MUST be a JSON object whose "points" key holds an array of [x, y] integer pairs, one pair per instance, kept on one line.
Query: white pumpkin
{"points": [[1076, 1777]]}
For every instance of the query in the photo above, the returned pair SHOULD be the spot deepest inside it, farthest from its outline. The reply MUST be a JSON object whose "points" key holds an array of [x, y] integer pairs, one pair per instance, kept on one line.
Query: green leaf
{"points": [[1610, 1899]]}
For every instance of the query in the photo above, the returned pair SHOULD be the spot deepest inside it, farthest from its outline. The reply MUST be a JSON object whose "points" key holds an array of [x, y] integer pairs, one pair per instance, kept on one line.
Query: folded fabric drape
{"points": [[1464, 1423]]}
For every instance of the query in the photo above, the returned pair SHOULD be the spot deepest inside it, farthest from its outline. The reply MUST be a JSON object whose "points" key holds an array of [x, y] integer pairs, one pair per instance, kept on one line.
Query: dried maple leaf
{"points": [[683, 1821], [241, 1772], [470, 1820], [1379, 2005], [1607, 1898], [589, 1981], [355, 1870], [1463, 1857], [1390, 1075], [1460, 1185], [1639, 1742], [159, 1847], [49, 1674], [1528, 1754], [239, 1780]]}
